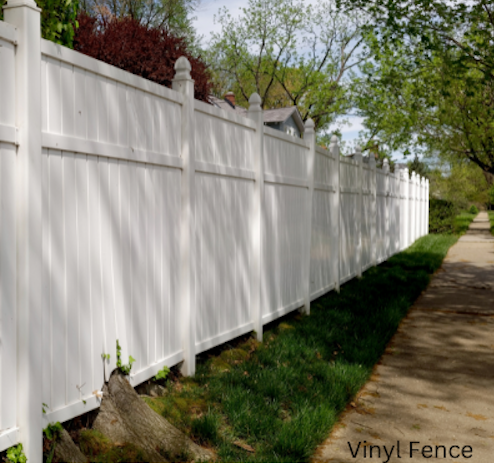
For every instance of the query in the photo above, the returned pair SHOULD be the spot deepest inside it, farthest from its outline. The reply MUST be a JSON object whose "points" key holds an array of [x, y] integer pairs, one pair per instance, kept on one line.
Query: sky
{"points": [[204, 24]]}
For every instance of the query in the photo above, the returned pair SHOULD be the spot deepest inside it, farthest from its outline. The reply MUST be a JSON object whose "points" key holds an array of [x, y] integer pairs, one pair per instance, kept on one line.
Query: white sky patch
{"points": [[204, 24]]}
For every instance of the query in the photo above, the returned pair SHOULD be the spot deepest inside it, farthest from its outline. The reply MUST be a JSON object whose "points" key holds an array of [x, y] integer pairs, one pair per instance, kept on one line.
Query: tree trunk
{"points": [[125, 417], [66, 450], [489, 177]]}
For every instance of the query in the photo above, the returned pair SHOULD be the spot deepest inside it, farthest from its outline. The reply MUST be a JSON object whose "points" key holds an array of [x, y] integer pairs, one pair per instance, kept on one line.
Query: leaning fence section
{"points": [[133, 212]]}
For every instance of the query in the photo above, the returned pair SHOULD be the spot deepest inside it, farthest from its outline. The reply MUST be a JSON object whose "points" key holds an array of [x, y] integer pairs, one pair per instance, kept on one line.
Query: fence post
{"points": [[424, 199], [422, 182], [335, 151], [387, 240], [25, 15], [404, 211], [358, 157], [256, 114], [427, 206], [373, 228], [183, 83], [414, 213], [310, 136]]}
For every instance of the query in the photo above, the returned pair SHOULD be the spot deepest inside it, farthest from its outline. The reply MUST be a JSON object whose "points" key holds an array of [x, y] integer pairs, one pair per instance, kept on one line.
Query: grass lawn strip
{"points": [[278, 400]]}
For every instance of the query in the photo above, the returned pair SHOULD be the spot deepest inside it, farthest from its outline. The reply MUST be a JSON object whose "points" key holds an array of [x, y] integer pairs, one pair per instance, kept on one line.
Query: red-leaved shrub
{"points": [[144, 51]]}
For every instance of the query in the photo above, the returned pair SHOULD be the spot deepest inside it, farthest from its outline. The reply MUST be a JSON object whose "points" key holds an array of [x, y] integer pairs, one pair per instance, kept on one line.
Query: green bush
{"points": [[473, 210], [442, 215], [58, 20], [491, 198]]}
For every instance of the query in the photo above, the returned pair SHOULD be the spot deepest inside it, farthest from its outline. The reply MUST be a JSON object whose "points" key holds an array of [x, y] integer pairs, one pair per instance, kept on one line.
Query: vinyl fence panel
{"points": [[286, 192], [224, 190], [110, 226], [324, 220]]}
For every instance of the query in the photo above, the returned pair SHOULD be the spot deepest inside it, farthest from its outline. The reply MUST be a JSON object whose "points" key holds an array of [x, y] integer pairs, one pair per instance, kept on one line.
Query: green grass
{"points": [[491, 218], [463, 221], [282, 397]]}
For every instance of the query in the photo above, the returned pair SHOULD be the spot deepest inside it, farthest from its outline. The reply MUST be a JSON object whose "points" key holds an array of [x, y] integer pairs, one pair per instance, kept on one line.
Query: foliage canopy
{"points": [[145, 51], [290, 53], [58, 20], [430, 83]]}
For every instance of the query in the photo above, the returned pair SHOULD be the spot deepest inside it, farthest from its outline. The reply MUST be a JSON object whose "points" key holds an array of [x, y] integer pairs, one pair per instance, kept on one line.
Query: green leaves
{"points": [[125, 369], [429, 86], [53, 431], [58, 20], [163, 373], [290, 53], [16, 455]]}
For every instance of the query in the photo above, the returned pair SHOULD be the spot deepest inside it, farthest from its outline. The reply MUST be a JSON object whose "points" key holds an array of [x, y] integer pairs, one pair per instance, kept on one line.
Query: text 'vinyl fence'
{"points": [[131, 211]]}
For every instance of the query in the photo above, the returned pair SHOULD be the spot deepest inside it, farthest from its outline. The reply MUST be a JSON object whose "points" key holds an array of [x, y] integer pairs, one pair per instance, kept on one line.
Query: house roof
{"points": [[270, 115], [283, 114]]}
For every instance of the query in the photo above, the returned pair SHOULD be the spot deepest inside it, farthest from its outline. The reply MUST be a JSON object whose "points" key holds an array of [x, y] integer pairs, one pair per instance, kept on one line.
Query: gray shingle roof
{"points": [[282, 114], [270, 115]]}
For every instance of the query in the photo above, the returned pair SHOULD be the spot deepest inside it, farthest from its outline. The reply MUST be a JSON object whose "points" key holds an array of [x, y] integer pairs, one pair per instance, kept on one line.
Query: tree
{"points": [[174, 16], [430, 82], [291, 54], [142, 50], [460, 183], [58, 20]]}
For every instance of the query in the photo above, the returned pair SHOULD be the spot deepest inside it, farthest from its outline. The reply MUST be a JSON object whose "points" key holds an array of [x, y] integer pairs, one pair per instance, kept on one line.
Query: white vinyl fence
{"points": [[131, 211]]}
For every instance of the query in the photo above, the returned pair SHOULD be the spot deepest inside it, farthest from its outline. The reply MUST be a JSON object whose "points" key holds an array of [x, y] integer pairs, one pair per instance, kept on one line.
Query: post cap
{"points": [[309, 125], [19, 3], [255, 103], [358, 154], [386, 165], [182, 69]]}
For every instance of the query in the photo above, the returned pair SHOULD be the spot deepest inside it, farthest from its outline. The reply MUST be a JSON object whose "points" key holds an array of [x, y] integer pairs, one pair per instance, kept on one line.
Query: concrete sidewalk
{"points": [[435, 384]]}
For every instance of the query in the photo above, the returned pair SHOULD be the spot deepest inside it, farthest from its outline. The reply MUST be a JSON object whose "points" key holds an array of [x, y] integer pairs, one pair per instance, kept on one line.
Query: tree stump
{"points": [[125, 417]]}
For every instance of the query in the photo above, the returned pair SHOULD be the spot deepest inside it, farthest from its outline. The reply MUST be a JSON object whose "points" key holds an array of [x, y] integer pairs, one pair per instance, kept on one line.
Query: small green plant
{"points": [[16, 455], [162, 374], [473, 210], [44, 407], [125, 369], [52, 433]]}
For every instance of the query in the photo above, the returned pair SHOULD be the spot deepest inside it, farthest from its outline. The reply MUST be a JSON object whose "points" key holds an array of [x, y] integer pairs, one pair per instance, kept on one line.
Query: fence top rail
{"points": [[87, 63], [8, 32], [349, 161], [224, 115], [324, 152], [270, 132]]}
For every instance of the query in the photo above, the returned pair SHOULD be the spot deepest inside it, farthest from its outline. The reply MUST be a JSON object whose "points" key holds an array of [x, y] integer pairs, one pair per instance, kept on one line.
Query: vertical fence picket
{"points": [[25, 15]]}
